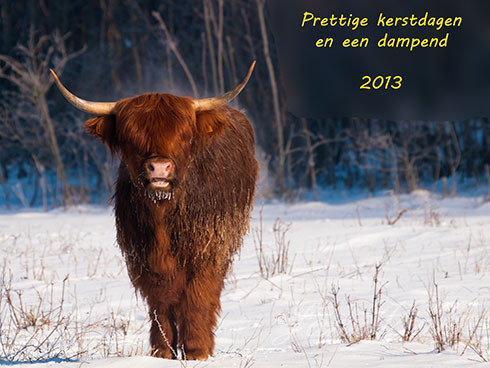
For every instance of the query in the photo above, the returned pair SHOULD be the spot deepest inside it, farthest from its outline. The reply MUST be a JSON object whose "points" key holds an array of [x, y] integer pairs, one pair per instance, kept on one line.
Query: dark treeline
{"points": [[107, 49]]}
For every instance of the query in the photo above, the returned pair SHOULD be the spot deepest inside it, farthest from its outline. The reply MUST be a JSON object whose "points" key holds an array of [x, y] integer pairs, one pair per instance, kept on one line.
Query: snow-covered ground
{"points": [[65, 293]]}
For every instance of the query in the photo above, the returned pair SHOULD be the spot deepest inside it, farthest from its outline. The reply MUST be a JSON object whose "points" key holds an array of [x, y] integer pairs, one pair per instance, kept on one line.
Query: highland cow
{"points": [[183, 197]]}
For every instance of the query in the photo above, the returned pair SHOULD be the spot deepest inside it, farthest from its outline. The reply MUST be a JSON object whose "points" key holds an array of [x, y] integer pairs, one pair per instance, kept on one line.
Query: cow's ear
{"points": [[209, 122], [103, 128]]}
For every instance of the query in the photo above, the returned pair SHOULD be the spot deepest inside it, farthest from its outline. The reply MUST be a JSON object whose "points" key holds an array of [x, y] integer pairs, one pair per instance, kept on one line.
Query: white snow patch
{"points": [[286, 320]]}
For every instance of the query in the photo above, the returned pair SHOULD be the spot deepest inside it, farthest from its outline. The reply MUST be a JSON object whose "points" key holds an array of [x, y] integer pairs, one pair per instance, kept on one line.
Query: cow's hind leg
{"points": [[197, 317], [163, 331]]}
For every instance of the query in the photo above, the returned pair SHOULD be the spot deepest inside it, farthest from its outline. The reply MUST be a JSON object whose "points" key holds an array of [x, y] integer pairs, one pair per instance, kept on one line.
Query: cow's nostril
{"points": [[151, 167]]}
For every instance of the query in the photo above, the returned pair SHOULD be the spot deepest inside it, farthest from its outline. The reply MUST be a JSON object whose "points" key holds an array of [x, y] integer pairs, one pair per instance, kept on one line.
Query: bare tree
{"points": [[173, 46], [275, 98], [30, 75]]}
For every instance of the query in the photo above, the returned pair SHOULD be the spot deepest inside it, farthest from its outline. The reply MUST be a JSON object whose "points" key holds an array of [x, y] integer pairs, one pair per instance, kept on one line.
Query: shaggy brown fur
{"points": [[179, 250]]}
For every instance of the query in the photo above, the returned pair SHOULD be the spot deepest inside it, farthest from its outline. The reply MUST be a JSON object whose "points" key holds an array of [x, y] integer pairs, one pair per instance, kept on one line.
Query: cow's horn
{"points": [[98, 108], [215, 102]]}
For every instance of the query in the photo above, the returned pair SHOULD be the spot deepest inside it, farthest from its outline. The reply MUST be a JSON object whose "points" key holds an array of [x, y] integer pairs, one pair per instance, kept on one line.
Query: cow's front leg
{"points": [[163, 289], [197, 315], [163, 331]]}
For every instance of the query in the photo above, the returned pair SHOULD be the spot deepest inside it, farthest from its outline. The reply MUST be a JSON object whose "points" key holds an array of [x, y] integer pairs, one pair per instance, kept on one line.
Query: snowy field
{"points": [[378, 282]]}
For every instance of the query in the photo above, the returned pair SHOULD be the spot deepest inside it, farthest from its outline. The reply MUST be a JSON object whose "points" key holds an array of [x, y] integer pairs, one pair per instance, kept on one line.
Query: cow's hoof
{"points": [[196, 355], [161, 353]]}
